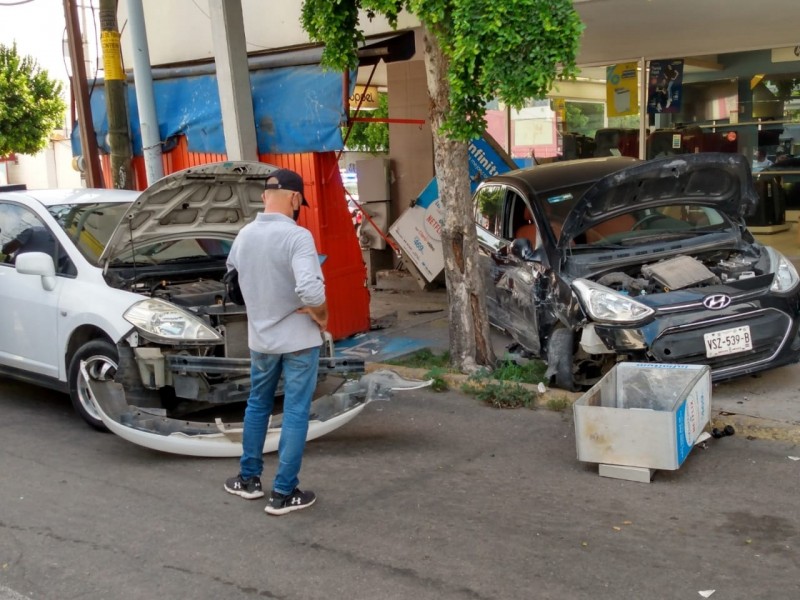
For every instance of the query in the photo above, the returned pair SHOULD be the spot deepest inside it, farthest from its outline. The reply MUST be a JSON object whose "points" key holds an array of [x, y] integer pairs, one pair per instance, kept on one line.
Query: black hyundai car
{"points": [[592, 262]]}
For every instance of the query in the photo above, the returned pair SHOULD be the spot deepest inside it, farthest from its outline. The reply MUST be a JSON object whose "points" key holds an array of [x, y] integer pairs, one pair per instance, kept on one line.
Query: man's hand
{"points": [[319, 314]]}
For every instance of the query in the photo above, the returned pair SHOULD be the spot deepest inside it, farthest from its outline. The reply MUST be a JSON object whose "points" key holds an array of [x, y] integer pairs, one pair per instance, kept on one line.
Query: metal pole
{"points": [[148, 118], [94, 175], [643, 109]]}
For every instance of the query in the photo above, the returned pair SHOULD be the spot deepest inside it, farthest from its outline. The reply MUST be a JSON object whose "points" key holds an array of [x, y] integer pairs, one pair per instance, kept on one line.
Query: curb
{"points": [[456, 380], [745, 426]]}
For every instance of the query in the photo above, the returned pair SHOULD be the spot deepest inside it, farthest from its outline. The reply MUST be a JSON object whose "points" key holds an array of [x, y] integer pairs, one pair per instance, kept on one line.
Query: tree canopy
{"points": [[475, 51], [508, 49], [31, 106]]}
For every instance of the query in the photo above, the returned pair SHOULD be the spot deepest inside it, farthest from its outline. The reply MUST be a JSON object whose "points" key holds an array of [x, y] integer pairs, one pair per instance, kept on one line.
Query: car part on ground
{"points": [[342, 400]]}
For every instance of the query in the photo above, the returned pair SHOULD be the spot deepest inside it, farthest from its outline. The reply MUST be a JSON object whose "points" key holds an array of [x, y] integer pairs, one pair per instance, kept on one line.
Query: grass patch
{"points": [[558, 403], [501, 387], [500, 394], [530, 372], [423, 359], [439, 382]]}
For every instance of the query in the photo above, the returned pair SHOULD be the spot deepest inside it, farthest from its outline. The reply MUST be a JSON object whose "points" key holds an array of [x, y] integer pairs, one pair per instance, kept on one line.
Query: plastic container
{"points": [[645, 415]]}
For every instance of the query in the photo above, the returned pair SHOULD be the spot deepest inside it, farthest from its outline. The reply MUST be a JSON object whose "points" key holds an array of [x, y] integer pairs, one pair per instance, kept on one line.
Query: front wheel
{"points": [[101, 364], [560, 359]]}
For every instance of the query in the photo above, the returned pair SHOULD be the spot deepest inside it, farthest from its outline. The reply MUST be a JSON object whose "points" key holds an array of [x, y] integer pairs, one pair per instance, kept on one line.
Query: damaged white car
{"points": [[116, 298]]}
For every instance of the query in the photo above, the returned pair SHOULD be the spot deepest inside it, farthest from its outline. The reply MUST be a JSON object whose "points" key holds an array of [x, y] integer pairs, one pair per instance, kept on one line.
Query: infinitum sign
{"points": [[418, 231]]}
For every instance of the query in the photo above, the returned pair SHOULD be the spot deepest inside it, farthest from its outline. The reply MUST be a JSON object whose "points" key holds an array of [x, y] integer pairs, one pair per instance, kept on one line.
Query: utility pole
{"points": [[116, 86], [94, 176], [143, 79]]}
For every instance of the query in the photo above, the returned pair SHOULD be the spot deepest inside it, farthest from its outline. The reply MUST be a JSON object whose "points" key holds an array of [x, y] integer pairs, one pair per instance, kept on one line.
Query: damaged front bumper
{"points": [[342, 393]]}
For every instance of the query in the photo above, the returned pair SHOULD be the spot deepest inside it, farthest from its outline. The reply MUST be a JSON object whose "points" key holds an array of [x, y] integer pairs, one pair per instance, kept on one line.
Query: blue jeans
{"points": [[299, 382]]}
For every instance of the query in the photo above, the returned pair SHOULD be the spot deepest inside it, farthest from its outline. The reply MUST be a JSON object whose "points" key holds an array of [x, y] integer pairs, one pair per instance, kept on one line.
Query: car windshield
{"points": [[90, 226], [642, 226], [175, 251]]}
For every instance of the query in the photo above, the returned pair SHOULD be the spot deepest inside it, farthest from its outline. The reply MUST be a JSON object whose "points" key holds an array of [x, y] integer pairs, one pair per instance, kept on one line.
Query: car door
{"points": [[511, 279], [519, 285], [30, 313], [488, 206]]}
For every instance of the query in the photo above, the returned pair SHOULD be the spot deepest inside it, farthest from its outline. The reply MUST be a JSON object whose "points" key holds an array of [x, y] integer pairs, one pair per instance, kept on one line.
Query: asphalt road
{"points": [[426, 496]]}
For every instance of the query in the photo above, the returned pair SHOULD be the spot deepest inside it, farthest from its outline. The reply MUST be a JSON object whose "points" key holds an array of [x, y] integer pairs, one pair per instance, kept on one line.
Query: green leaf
{"points": [[31, 106]]}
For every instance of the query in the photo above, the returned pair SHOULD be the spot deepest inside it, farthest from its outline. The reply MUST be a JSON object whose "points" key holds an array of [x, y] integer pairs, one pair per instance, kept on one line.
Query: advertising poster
{"points": [[418, 231], [622, 90], [665, 86]]}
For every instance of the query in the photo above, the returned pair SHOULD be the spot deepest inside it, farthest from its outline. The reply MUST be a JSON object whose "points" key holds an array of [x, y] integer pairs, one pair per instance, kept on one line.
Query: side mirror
{"points": [[37, 263], [522, 249]]}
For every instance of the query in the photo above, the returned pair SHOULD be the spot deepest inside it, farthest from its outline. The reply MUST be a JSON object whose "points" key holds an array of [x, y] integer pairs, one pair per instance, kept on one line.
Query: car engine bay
{"points": [[683, 271]]}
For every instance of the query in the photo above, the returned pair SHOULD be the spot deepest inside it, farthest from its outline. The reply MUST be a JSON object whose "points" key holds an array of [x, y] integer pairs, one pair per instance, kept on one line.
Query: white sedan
{"points": [[116, 298]]}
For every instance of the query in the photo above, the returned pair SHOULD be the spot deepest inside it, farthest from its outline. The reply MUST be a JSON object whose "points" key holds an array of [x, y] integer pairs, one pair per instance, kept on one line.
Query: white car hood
{"points": [[213, 201]]}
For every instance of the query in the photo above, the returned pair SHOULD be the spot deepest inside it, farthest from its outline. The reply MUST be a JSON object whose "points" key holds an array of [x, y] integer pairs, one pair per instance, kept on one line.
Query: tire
{"points": [[102, 361], [560, 359]]}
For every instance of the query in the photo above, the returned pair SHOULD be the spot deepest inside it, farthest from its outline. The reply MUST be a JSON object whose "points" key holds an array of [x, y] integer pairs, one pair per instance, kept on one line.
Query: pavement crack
{"points": [[401, 572], [252, 591]]}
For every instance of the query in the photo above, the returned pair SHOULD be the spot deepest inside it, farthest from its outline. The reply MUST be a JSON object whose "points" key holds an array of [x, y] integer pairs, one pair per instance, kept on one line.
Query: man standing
{"points": [[283, 289]]}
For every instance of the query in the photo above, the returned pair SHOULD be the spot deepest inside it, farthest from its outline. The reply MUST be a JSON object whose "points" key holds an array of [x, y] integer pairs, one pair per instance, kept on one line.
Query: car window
{"points": [[489, 209], [522, 222], [21, 231], [89, 226]]}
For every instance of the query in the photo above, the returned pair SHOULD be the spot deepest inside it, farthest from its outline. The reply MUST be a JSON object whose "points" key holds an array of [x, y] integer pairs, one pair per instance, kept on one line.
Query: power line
{"points": [[15, 3]]}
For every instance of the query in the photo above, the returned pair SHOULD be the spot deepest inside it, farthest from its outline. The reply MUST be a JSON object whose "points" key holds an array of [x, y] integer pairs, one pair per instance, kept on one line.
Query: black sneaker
{"points": [[280, 504], [246, 488]]}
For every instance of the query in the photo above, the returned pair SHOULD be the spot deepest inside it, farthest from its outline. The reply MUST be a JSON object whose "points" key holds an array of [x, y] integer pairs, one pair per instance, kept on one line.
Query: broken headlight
{"points": [[604, 304], [785, 273], [163, 322]]}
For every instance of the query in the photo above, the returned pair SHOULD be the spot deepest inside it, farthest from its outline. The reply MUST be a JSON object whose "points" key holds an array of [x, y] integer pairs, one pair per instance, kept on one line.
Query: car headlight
{"points": [[604, 304], [161, 321], [785, 273]]}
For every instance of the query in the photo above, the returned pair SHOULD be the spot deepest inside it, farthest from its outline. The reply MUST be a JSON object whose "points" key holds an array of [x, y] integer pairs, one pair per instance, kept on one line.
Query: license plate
{"points": [[728, 341]]}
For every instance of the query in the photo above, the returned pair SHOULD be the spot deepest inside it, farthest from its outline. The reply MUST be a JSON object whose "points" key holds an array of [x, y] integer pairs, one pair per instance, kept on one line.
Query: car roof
{"points": [[74, 196], [543, 178]]}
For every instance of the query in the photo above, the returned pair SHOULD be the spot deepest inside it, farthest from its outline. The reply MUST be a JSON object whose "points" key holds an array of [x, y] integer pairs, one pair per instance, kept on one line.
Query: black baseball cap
{"points": [[286, 180]]}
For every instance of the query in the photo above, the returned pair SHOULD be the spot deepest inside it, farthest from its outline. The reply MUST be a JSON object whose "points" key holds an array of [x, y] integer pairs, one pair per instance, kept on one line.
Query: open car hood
{"points": [[721, 181], [213, 201]]}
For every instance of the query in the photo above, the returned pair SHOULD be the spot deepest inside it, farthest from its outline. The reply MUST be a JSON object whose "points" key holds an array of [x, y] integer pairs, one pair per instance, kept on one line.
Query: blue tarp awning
{"points": [[296, 109]]}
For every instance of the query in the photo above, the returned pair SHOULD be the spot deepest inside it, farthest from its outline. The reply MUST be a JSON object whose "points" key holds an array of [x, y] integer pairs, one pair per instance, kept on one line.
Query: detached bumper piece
{"points": [[152, 428]]}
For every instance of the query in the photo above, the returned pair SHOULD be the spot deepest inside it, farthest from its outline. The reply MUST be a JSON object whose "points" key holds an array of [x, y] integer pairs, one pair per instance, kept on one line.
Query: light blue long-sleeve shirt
{"points": [[279, 272]]}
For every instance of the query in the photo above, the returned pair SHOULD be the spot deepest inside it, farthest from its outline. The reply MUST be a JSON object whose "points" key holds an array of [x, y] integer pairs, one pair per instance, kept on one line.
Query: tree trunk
{"points": [[470, 345]]}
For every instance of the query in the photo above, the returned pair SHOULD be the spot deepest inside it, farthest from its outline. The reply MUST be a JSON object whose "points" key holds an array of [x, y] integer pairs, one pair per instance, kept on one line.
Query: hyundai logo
{"points": [[717, 301]]}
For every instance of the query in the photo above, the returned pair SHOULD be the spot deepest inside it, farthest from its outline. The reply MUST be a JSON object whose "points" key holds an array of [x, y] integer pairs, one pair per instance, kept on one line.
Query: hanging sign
{"points": [[418, 231], [369, 94], [622, 90], [665, 86]]}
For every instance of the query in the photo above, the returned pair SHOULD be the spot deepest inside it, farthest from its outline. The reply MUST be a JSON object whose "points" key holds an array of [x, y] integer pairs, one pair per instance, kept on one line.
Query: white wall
{"points": [[180, 30], [50, 168]]}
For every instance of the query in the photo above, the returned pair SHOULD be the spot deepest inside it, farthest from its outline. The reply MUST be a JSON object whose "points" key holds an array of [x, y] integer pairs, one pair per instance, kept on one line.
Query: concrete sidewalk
{"points": [[762, 406]]}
